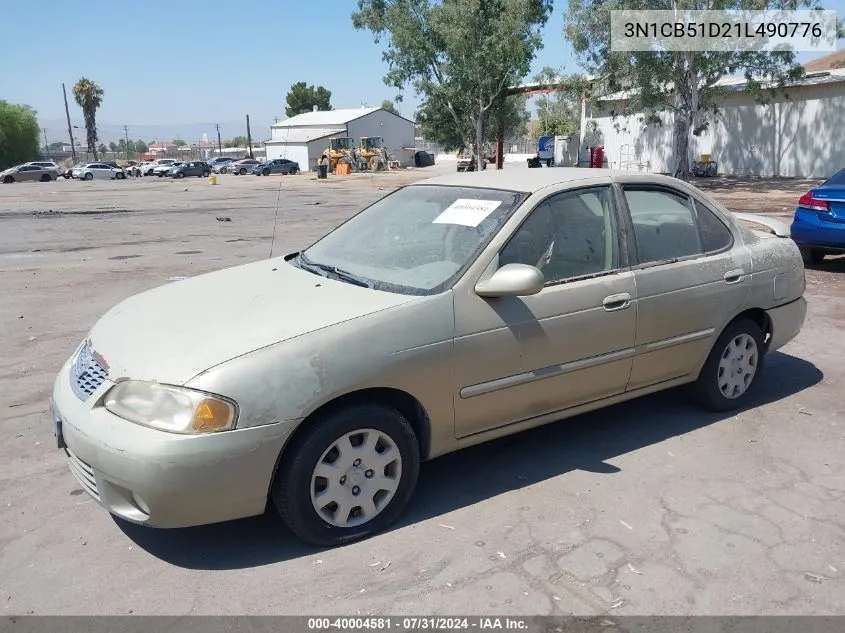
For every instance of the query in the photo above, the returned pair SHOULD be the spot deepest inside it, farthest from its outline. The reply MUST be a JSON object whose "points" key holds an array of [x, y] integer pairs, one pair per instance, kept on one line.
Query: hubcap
{"points": [[356, 478], [738, 366]]}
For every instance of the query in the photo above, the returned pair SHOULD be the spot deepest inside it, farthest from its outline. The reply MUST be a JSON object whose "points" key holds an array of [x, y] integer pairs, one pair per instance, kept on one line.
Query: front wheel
{"points": [[206, 174], [8, 180], [242, 172], [349, 476], [736, 360], [812, 255], [120, 176], [89, 176], [265, 172]]}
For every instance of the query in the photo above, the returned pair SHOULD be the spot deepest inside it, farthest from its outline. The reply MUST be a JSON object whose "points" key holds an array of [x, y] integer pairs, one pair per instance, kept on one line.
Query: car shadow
{"points": [[472, 475], [830, 264]]}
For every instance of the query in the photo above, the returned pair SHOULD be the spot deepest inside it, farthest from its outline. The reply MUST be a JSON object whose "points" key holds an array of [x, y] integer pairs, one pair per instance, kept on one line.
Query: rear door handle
{"points": [[734, 276], [616, 302]]}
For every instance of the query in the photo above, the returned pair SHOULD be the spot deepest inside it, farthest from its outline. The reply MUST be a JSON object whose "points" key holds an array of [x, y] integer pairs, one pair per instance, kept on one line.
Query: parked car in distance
{"points": [[98, 171], [450, 312], [147, 169], [48, 165], [276, 166], [220, 160], [243, 166], [23, 173], [818, 226], [163, 169], [192, 168]]}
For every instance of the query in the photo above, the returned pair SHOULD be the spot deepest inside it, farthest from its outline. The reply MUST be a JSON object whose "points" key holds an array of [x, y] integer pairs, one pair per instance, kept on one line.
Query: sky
{"points": [[175, 69]]}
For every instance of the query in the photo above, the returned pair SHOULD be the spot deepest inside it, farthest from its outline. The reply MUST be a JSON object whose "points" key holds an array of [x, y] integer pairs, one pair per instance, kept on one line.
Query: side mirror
{"points": [[512, 280]]}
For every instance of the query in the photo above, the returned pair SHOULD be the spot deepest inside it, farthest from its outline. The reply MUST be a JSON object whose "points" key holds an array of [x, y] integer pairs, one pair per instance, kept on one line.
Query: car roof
{"points": [[531, 180]]}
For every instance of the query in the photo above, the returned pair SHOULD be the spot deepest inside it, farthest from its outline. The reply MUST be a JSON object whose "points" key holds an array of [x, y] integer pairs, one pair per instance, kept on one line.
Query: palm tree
{"points": [[89, 96]]}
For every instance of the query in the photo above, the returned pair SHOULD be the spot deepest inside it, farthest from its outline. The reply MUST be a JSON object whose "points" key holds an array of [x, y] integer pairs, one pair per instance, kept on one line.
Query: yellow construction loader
{"points": [[372, 152], [342, 150]]}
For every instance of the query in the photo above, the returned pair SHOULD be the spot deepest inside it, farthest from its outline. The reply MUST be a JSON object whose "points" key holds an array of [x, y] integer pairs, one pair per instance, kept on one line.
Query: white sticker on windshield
{"points": [[467, 212]]}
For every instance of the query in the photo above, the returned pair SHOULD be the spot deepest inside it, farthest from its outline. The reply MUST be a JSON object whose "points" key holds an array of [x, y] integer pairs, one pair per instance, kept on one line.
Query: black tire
{"points": [[45, 178], [291, 490], [706, 391], [294, 171], [120, 176], [205, 174], [8, 180], [180, 174], [265, 172], [88, 176], [242, 171], [812, 255]]}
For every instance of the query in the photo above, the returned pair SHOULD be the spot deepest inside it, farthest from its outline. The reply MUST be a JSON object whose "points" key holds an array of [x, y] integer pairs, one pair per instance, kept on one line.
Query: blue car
{"points": [[819, 223]]}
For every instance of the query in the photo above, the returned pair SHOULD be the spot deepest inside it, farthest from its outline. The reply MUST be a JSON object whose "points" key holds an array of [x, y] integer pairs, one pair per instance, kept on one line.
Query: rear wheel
{"points": [[812, 255], [349, 476], [731, 369], [206, 174], [294, 171], [45, 178]]}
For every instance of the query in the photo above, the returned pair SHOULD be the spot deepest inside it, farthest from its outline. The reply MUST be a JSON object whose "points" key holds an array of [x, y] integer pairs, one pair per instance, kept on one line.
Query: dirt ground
{"points": [[651, 507]]}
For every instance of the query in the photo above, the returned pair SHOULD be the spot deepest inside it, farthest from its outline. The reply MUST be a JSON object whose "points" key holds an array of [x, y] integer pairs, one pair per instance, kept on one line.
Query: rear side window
{"points": [[837, 179], [664, 225], [715, 236]]}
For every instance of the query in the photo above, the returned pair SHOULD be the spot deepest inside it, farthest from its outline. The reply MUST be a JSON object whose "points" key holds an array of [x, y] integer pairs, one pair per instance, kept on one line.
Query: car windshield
{"points": [[837, 180], [418, 240]]}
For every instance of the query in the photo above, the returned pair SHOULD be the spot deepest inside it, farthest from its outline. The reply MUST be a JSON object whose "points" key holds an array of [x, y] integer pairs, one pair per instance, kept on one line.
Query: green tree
{"points": [[508, 118], [114, 147], [178, 142], [56, 145], [684, 84], [461, 54], [102, 149], [89, 97], [140, 146], [18, 134], [302, 98], [559, 113], [388, 105], [240, 141], [437, 124]]}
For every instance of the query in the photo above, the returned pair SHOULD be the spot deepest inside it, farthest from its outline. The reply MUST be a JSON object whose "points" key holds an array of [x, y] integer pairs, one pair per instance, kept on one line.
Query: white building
{"points": [[304, 138], [793, 135]]}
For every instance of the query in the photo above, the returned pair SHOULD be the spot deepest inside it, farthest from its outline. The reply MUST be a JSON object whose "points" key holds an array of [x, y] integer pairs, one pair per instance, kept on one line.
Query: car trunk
{"points": [[835, 197]]}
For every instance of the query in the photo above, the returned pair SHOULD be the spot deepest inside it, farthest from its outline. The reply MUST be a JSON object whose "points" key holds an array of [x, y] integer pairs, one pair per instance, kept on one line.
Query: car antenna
{"points": [[278, 195]]}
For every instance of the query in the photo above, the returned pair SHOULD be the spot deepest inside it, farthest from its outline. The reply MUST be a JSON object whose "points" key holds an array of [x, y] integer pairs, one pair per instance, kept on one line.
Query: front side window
{"points": [[664, 225], [567, 236], [418, 240]]}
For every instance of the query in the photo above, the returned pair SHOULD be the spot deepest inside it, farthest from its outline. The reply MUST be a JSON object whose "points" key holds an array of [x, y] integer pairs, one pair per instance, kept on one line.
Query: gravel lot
{"points": [[650, 507]]}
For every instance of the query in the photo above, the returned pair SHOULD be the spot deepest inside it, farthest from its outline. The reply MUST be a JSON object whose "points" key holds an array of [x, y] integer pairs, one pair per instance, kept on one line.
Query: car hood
{"points": [[174, 332]]}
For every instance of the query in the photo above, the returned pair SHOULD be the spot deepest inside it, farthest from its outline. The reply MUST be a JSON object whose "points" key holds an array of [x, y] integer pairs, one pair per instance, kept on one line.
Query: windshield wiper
{"points": [[341, 274]]}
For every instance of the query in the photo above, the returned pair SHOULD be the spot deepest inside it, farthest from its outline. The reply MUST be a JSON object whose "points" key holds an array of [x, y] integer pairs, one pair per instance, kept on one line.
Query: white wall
{"points": [[794, 137], [292, 151], [396, 132]]}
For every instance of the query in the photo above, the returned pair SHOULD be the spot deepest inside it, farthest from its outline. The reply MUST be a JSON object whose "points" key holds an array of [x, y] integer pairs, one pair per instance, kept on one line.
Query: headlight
{"points": [[173, 409]]}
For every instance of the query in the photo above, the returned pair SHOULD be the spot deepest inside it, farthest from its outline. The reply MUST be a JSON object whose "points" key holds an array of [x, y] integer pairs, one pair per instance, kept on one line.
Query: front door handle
{"points": [[617, 302], [734, 276]]}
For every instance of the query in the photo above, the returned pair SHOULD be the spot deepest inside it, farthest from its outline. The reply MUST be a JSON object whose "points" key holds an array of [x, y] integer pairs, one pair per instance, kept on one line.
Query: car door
{"points": [[28, 173], [691, 279], [573, 342]]}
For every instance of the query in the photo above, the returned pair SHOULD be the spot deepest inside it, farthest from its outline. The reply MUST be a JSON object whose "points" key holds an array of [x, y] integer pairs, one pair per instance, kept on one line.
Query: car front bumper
{"points": [[162, 479], [787, 321]]}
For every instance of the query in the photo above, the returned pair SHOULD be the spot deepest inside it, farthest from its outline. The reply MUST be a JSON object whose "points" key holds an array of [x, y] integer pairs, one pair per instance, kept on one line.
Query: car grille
{"points": [[86, 374], [83, 474]]}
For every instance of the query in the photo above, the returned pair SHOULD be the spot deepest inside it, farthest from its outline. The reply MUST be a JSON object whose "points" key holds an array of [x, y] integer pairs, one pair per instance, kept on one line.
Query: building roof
{"points": [[325, 117], [737, 84], [826, 62], [304, 135]]}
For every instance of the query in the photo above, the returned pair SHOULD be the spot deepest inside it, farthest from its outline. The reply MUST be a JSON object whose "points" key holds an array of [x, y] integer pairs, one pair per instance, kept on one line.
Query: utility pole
{"points": [[69, 129], [219, 144], [249, 137], [126, 137], [46, 147]]}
